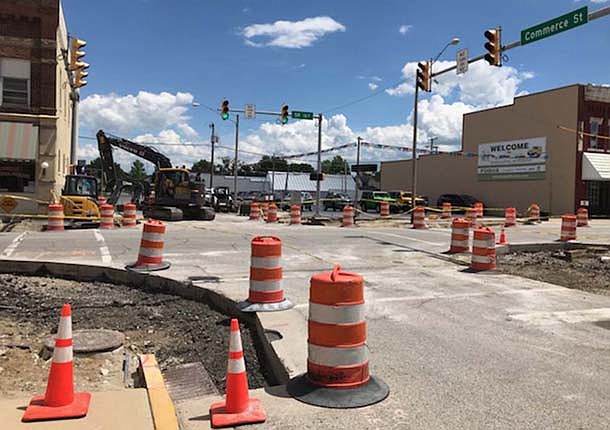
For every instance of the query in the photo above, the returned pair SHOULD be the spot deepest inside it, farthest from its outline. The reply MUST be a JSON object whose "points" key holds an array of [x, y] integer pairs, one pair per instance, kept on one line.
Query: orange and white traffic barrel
{"points": [[107, 216], [419, 217], [254, 211], [446, 210], [534, 213], [129, 215], [150, 255], [483, 249], [338, 357], [272, 213], [460, 229], [385, 209], [265, 293], [510, 217], [582, 217], [265, 208], [101, 200], [60, 401], [348, 217], [471, 215], [568, 228], [479, 209], [56, 217], [295, 215]]}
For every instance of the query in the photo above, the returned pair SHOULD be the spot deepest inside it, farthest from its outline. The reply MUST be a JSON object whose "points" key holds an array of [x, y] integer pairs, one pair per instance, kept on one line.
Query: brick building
{"points": [[35, 107]]}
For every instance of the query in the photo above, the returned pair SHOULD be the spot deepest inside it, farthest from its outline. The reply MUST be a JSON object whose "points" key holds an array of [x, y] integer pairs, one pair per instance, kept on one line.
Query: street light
{"points": [[453, 41]]}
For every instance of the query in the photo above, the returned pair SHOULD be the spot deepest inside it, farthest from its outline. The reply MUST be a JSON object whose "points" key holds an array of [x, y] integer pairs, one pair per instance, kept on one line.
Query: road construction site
{"points": [[457, 348]]}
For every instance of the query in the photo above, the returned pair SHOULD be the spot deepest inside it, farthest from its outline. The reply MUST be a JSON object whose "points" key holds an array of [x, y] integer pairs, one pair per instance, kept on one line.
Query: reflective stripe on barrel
{"points": [[336, 343], [107, 216], [582, 217], [568, 227], [265, 207], [254, 211], [419, 217], [295, 214], [129, 215], [272, 214], [471, 215], [266, 270], [535, 212], [460, 228], [348, 216], [446, 210], [56, 217], [151, 244], [483, 249], [385, 209], [510, 217]]}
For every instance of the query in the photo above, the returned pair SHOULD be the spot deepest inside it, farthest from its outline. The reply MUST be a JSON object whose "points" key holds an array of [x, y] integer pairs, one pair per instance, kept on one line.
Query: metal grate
{"points": [[188, 381]]}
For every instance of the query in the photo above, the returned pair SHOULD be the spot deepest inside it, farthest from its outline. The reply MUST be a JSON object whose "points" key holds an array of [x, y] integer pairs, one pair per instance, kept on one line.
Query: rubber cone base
{"points": [[247, 306], [149, 268], [254, 413], [38, 411], [374, 391]]}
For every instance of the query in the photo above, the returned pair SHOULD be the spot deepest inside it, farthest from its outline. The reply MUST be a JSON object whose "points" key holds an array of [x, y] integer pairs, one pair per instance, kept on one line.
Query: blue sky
{"points": [[330, 54]]}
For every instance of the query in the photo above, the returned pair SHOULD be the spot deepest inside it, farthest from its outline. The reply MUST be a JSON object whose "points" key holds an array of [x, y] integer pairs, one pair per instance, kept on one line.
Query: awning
{"points": [[18, 141], [595, 166]]}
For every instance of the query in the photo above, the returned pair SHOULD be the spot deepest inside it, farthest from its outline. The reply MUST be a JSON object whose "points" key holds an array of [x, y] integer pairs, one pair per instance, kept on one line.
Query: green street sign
{"points": [[302, 115], [554, 26]]}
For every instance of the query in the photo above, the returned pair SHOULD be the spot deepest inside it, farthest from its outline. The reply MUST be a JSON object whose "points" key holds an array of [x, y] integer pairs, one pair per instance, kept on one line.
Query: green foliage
{"points": [[337, 165]]}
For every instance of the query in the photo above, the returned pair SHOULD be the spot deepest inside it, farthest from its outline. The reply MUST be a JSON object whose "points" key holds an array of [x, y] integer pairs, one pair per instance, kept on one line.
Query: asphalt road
{"points": [[458, 350]]}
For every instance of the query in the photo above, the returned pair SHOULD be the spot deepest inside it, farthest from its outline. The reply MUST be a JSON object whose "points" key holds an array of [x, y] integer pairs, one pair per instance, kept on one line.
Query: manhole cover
{"points": [[86, 341]]}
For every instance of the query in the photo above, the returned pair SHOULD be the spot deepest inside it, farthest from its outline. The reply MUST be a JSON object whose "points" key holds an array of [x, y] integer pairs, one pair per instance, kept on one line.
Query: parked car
{"points": [[336, 201], [457, 201], [372, 200], [403, 198]]}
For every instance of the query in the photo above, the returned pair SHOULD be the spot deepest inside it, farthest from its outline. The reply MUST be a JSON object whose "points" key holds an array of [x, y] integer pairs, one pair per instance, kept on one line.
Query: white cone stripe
{"points": [[151, 252], [463, 231], [489, 243], [463, 243], [336, 314], [236, 366], [64, 330], [62, 354], [332, 357], [265, 285], [481, 259], [265, 262], [152, 237], [235, 342]]}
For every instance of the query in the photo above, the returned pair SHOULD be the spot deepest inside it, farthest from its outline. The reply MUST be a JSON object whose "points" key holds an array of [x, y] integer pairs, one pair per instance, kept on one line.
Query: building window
{"points": [[17, 176], [14, 82], [594, 126]]}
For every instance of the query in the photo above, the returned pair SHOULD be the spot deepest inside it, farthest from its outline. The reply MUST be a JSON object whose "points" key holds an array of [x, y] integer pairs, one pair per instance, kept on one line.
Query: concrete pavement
{"points": [[457, 349]]}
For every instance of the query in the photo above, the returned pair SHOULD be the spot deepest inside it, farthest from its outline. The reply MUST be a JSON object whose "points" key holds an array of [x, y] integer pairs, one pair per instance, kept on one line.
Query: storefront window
{"points": [[17, 176], [594, 126]]}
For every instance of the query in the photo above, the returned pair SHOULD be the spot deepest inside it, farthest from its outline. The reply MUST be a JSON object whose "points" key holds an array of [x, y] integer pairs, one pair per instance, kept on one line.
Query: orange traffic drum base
{"points": [[247, 306]]}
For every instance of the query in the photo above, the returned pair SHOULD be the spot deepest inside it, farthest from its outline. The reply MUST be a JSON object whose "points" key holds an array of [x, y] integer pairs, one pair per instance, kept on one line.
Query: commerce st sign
{"points": [[554, 26]]}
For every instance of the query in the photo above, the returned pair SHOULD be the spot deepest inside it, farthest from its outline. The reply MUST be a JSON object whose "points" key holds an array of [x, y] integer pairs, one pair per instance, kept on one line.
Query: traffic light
{"points": [[76, 65], [494, 47], [224, 109], [424, 76], [79, 80], [284, 114]]}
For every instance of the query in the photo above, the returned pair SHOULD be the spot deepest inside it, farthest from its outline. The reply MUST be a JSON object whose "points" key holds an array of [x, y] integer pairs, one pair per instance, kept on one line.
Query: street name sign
{"points": [[302, 115], [250, 111], [461, 58], [554, 26]]}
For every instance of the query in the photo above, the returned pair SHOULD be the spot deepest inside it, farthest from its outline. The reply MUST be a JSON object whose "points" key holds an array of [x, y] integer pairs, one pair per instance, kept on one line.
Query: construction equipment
{"points": [[79, 197], [173, 197]]}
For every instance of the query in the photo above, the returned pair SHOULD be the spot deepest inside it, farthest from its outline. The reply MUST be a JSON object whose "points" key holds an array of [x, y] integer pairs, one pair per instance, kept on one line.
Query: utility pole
{"points": [[319, 169], [432, 139], [75, 97], [235, 159], [414, 163], [357, 171], [212, 141]]}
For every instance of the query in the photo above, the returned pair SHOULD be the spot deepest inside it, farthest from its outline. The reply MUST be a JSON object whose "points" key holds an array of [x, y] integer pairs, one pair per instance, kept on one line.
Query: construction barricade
{"points": [[107, 217], [483, 249], [384, 209], [419, 217], [56, 217], [446, 214], [478, 206], [568, 228], [237, 408], [272, 213], [582, 217], [460, 229], [348, 217], [254, 211], [60, 401], [471, 216], [337, 360], [510, 217], [265, 293], [129, 215], [295, 215], [150, 255], [534, 213]]}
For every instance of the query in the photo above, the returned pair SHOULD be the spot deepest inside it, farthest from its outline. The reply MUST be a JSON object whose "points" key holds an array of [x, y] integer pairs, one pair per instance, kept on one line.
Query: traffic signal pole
{"points": [[212, 139], [235, 159], [414, 156], [357, 171], [319, 165]]}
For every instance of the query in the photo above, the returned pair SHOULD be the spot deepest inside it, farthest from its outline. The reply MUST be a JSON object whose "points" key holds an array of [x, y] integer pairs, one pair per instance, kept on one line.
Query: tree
{"points": [[267, 164], [137, 171], [202, 166], [337, 165], [301, 167]]}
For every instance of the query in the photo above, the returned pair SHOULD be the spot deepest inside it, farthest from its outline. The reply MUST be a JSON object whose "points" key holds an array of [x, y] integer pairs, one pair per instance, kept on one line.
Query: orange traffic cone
{"points": [[502, 240], [60, 400], [238, 408]]}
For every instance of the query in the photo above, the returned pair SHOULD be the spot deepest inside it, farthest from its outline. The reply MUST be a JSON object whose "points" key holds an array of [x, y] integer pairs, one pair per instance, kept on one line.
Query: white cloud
{"points": [[291, 34], [373, 86], [404, 29]]}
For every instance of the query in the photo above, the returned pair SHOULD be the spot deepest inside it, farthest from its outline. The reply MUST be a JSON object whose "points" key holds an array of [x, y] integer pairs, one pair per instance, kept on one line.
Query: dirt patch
{"points": [[176, 330], [585, 272]]}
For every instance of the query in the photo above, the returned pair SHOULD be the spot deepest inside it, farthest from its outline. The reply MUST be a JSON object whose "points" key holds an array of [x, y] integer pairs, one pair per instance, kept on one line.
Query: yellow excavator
{"points": [[79, 197]]}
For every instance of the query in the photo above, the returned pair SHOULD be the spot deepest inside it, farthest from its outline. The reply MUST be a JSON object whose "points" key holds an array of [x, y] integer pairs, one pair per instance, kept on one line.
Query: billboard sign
{"points": [[516, 159]]}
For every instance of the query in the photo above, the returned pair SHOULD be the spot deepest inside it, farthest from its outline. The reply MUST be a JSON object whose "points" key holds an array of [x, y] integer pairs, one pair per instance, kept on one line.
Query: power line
{"points": [[361, 99]]}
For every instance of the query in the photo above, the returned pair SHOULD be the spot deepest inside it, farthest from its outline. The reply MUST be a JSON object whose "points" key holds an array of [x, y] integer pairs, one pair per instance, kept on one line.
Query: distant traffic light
{"points": [[424, 76], [79, 80], [224, 110], [76, 65], [494, 47], [284, 114]]}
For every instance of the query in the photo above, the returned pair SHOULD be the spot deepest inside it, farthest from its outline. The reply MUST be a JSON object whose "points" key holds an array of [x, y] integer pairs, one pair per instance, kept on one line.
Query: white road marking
{"points": [[105, 253], [14, 244], [569, 317]]}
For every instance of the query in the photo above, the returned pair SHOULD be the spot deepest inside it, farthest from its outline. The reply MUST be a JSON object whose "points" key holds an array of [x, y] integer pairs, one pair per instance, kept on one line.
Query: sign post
{"points": [[556, 25]]}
